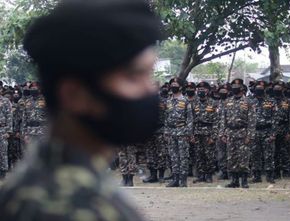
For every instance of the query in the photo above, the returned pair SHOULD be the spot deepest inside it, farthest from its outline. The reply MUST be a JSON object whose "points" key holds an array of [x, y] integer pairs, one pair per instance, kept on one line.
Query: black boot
{"points": [[124, 180], [152, 178], [200, 178], [183, 180], [190, 173], [235, 181], [244, 177], [130, 180], [208, 178], [174, 182], [270, 176], [257, 177], [277, 174], [161, 175]]}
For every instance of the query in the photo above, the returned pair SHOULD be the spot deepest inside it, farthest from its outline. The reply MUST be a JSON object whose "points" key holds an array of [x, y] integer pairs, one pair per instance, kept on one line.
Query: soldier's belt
{"points": [[204, 124], [283, 123], [35, 124], [263, 127], [179, 124], [236, 127]]}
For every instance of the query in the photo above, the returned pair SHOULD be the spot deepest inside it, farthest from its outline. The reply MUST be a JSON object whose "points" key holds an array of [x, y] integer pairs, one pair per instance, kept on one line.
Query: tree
{"points": [[276, 23], [210, 28], [211, 70]]}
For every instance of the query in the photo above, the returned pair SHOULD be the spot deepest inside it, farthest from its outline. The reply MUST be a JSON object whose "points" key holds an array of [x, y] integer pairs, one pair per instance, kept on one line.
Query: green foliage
{"points": [[211, 70], [173, 50]]}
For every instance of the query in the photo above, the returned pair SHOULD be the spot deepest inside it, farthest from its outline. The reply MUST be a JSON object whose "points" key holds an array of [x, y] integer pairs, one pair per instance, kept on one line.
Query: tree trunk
{"points": [[275, 68], [185, 62], [231, 67]]}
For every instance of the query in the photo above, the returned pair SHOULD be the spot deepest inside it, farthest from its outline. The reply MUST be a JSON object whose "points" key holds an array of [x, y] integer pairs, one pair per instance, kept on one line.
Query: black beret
{"points": [[261, 83], [177, 80], [238, 81], [89, 36], [279, 83], [204, 85], [225, 86], [190, 85]]}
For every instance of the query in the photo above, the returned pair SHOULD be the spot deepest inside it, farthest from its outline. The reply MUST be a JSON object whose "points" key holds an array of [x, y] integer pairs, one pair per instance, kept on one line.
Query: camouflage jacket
{"points": [[238, 115], [178, 120], [17, 118], [6, 118], [221, 110], [282, 116], [34, 116], [265, 114], [205, 117], [57, 182]]}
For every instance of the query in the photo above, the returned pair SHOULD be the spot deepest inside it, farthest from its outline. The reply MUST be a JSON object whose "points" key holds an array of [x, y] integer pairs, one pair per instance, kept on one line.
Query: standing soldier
{"points": [[127, 163], [191, 96], [34, 115], [221, 142], [6, 122], [155, 147], [238, 126], [282, 120], [205, 132], [263, 146], [178, 130]]}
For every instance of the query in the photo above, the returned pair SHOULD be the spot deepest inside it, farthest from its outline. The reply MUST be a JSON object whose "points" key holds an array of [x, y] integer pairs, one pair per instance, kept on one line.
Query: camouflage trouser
{"points": [[263, 148], [127, 160], [14, 151], [156, 153], [282, 158], [238, 152], [3, 154], [222, 155], [192, 155], [178, 151], [205, 155]]}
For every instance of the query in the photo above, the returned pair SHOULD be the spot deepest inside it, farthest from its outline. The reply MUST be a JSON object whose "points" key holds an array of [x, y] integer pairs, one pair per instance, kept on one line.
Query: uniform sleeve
{"points": [[189, 120], [221, 123], [251, 132], [215, 127], [8, 117], [166, 129]]}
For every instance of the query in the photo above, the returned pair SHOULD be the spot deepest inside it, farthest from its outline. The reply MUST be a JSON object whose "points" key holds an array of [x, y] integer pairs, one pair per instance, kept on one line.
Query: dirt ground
{"points": [[211, 202]]}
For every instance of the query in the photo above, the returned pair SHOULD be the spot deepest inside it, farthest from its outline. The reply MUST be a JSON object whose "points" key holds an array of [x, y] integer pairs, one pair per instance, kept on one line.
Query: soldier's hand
{"points": [[210, 141], [247, 140]]}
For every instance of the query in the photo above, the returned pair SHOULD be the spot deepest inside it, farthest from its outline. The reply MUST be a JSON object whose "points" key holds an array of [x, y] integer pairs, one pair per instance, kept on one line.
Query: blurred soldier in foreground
{"points": [[95, 66], [238, 128], [127, 163]]}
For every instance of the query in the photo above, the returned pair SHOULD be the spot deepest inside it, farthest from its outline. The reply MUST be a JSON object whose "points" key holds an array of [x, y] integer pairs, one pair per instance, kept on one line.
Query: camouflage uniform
{"points": [[178, 127], [5, 128], [221, 146], [237, 123], [14, 145], [127, 160], [265, 128], [61, 182], [155, 147], [34, 118], [205, 128], [282, 158]]}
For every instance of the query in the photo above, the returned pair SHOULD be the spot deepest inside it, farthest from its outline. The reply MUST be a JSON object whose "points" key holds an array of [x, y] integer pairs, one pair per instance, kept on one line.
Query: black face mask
{"points": [[127, 121], [34, 93], [164, 92], [277, 93], [236, 91], [190, 93], [259, 92], [175, 90], [223, 96], [201, 94], [26, 93], [287, 94]]}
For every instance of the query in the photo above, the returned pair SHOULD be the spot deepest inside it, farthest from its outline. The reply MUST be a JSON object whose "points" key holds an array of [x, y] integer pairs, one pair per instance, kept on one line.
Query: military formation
{"points": [[231, 130], [23, 119]]}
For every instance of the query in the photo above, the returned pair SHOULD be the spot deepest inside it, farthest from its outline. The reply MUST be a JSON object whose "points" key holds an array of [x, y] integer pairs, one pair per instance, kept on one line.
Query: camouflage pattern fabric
{"points": [[127, 160], [205, 128], [282, 118], [238, 122], [62, 183], [34, 117], [178, 128], [263, 147], [6, 127]]}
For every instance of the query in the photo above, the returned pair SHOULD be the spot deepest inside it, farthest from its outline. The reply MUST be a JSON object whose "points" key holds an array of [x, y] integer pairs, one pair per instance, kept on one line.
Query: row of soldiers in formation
{"points": [[22, 118], [201, 126]]}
